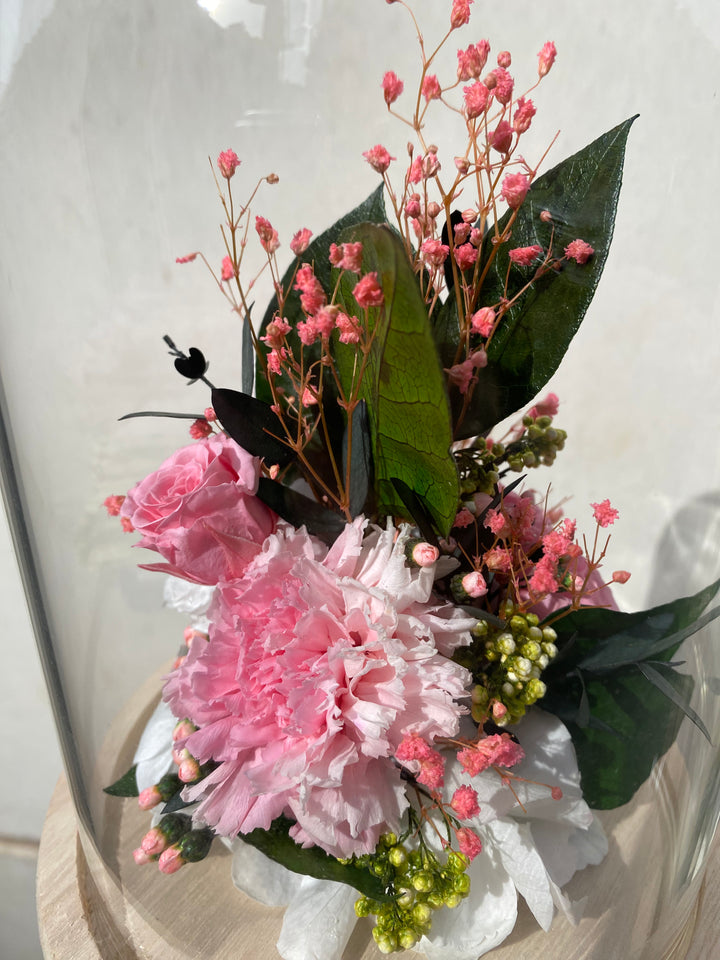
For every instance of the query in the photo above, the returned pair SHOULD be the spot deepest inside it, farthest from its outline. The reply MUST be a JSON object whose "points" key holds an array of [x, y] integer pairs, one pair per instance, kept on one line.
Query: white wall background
{"points": [[107, 115]]}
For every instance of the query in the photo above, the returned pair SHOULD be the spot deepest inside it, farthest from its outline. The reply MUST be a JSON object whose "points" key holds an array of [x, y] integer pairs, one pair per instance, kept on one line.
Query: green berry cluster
{"points": [[538, 445], [419, 884], [478, 467], [507, 663]]}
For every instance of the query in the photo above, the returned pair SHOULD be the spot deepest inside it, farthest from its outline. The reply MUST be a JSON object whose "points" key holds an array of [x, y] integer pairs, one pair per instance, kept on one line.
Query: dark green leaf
{"points": [[300, 510], [253, 425], [161, 413], [126, 786], [277, 844], [581, 193], [370, 210], [248, 355], [361, 480], [403, 384], [623, 713], [664, 677]]}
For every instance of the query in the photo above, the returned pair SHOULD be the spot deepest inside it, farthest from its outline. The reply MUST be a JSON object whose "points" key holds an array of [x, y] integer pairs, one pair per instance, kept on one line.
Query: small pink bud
{"points": [[621, 576], [433, 210], [272, 178], [502, 136], [187, 259], [499, 710], [546, 216], [504, 59], [188, 769], [183, 728], [274, 471], [153, 843], [140, 857], [462, 165], [227, 270], [149, 798], [170, 860], [412, 207], [210, 415], [474, 584], [556, 793], [425, 554]]}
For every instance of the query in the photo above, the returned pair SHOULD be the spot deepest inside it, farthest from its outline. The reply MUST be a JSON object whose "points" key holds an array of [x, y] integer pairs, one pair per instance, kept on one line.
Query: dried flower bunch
{"points": [[378, 603]]}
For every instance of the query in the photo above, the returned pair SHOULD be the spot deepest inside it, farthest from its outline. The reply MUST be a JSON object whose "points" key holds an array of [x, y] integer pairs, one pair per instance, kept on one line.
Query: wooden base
{"points": [[215, 921], [93, 908]]}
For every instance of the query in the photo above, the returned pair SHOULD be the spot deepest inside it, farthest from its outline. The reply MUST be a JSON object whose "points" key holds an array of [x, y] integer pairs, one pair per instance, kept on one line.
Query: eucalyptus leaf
{"points": [[403, 383], [581, 194], [126, 786], [277, 844]]}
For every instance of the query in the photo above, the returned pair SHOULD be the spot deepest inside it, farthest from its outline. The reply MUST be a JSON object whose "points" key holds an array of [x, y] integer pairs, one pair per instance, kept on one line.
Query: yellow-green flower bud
{"points": [[532, 650]]}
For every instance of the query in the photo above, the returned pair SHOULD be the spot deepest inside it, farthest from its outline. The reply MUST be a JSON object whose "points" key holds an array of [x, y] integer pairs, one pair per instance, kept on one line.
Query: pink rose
{"points": [[199, 511]]}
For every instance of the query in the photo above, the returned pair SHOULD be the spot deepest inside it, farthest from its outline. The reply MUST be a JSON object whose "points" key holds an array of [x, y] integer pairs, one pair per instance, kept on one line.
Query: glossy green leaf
{"points": [[372, 210], [277, 844], [403, 384], [611, 684], [126, 786], [581, 193]]}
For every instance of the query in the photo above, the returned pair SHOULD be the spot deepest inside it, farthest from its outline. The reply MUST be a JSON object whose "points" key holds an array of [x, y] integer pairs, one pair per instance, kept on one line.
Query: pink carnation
{"points": [[604, 514], [199, 511], [378, 158], [319, 663]]}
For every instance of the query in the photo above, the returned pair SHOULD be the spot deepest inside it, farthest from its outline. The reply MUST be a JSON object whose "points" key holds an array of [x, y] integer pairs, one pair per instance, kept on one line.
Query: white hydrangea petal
{"points": [[154, 752], [319, 921], [190, 599], [565, 849], [573, 909], [482, 921], [525, 867], [262, 878]]}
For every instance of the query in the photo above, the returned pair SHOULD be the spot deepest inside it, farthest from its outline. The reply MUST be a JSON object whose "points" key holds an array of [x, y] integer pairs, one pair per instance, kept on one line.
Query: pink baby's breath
{"points": [[227, 270], [579, 251], [514, 189], [368, 291], [392, 87], [544, 578], [434, 253], [604, 514], [465, 802], [460, 13], [502, 137], [228, 162], [504, 84], [112, 504], [483, 321], [199, 429], [476, 98], [471, 62], [349, 328], [378, 158], [465, 256], [621, 576], [525, 256], [499, 749], [186, 259], [431, 88], [469, 842], [548, 407], [524, 112], [267, 233], [300, 241], [546, 58]]}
